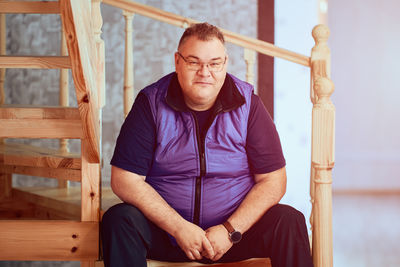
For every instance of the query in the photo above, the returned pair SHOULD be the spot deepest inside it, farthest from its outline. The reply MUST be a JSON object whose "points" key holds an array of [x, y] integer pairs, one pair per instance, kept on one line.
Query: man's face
{"points": [[200, 88]]}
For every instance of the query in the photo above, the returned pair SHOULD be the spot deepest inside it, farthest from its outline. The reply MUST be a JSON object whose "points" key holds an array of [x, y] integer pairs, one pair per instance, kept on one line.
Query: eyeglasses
{"points": [[213, 66]]}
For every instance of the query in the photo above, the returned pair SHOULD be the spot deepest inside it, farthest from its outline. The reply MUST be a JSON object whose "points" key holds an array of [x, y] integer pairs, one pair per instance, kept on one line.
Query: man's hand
{"points": [[193, 241], [219, 239]]}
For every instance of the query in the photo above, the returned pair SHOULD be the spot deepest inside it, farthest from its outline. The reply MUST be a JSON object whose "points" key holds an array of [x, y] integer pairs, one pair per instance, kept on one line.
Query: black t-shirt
{"points": [[136, 142]]}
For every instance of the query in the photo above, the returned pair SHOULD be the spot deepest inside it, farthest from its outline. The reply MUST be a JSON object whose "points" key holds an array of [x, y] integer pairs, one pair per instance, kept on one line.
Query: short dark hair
{"points": [[203, 31]]}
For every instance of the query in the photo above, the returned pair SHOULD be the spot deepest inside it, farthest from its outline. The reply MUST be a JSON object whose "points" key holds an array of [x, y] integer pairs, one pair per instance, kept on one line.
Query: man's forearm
{"points": [[268, 191], [133, 189]]}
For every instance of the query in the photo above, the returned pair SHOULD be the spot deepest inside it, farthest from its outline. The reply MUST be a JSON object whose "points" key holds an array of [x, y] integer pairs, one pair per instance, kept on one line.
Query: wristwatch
{"points": [[234, 236]]}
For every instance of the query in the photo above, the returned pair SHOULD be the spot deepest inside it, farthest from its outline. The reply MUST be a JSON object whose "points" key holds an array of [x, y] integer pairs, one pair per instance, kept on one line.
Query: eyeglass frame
{"points": [[201, 64]]}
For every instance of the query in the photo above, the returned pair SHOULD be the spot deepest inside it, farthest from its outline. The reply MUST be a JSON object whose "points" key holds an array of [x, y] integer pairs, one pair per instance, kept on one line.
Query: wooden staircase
{"points": [[54, 223], [62, 223]]}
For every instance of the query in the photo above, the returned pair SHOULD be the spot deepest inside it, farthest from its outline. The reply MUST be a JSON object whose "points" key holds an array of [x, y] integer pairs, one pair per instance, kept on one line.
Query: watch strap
{"points": [[229, 227]]}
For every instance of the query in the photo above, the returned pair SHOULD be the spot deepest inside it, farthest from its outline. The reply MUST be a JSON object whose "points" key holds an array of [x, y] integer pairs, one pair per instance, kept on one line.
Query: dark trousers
{"points": [[128, 238]]}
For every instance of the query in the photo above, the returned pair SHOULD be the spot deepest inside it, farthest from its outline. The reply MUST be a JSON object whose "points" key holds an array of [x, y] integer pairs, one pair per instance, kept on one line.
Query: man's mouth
{"points": [[202, 82]]}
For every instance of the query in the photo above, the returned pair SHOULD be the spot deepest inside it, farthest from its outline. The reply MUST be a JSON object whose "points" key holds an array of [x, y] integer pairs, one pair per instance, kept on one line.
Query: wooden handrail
{"points": [[183, 22]]}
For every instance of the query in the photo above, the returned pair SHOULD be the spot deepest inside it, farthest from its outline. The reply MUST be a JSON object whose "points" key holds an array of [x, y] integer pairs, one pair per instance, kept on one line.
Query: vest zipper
{"points": [[201, 146], [197, 202]]}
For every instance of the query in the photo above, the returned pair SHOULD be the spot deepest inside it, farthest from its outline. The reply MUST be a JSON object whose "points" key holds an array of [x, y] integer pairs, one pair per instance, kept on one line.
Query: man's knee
{"points": [[288, 213], [284, 217], [122, 214]]}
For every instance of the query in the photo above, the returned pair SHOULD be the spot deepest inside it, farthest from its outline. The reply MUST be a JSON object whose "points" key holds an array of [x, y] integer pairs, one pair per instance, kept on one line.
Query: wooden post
{"points": [[128, 77], [2, 52], [90, 193], [323, 142], [250, 58], [63, 101]]}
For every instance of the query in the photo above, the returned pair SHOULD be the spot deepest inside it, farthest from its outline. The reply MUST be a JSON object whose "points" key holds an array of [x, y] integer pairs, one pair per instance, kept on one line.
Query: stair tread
{"points": [[40, 122], [35, 7], [35, 62], [38, 112], [33, 156], [70, 196]]}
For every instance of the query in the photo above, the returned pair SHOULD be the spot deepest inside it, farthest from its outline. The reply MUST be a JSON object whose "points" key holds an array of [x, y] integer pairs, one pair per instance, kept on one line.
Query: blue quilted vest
{"points": [[203, 180]]}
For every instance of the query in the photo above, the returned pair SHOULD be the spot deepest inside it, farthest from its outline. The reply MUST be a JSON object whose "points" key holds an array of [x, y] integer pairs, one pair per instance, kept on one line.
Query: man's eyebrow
{"points": [[213, 59]]}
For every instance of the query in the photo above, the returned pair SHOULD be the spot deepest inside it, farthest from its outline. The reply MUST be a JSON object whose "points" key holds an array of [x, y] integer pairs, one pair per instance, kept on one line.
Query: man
{"points": [[199, 166]]}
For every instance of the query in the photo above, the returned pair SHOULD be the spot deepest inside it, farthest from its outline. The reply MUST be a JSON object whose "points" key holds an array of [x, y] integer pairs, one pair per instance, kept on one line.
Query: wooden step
{"points": [[35, 62], [32, 156], [38, 7], [50, 240], [40, 122], [61, 202]]}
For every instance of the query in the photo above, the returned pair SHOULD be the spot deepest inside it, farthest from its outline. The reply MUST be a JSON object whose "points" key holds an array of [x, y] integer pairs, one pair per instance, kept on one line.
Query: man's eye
{"points": [[215, 64], [193, 63]]}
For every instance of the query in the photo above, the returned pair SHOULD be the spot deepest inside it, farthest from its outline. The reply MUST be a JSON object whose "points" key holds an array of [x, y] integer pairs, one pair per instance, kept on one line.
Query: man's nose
{"points": [[204, 71]]}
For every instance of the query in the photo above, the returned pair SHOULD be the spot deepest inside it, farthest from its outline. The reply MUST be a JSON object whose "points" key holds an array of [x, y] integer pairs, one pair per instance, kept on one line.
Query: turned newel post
{"points": [[128, 75], [322, 152], [250, 58]]}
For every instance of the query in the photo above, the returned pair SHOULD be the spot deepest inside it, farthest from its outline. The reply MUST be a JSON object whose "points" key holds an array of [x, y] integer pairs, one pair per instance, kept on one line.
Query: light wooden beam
{"points": [[65, 201], [90, 187], [45, 128], [128, 66], [180, 21], [48, 240], [76, 21], [64, 92], [32, 156], [38, 112], [29, 7], [5, 185], [250, 58], [40, 122], [35, 62], [2, 53], [66, 174], [97, 21]]}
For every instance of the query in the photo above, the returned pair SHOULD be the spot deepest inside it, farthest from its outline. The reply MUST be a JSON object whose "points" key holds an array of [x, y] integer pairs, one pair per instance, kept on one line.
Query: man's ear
{"points": [[176, 59]]}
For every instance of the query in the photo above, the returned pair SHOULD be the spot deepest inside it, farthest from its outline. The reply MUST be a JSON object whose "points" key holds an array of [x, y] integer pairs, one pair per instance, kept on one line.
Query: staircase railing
{"points": [[323, 113]]}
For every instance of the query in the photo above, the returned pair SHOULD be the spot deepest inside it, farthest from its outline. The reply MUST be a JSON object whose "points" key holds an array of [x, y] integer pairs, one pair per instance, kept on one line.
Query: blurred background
{"points": [[364, 43]]}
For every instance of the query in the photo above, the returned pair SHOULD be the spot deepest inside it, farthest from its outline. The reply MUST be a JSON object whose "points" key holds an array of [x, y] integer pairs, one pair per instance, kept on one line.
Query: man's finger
{"points": [[190, 255], [208, 249], [197, 254], [217, 256]]}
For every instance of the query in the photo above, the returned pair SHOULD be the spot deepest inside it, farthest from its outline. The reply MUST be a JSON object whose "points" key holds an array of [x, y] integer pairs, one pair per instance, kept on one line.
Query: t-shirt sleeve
{"points": [[135, 144], [263, 145]]}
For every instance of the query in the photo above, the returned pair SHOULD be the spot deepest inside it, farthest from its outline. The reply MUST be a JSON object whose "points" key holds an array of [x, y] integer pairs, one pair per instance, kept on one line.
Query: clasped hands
{"points": [[212, 243]]}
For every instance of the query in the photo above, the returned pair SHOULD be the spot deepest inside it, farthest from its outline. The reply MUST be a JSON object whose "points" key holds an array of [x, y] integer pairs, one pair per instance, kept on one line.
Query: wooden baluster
{"points": [[128, 76], [249, 58], [322, 155], [97, 21], [2, 52], [5, 178], [63, 101]]}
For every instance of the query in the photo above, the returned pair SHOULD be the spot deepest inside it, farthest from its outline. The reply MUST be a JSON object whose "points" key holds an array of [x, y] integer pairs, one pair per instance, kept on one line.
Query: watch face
{"points": [[236, 237]]}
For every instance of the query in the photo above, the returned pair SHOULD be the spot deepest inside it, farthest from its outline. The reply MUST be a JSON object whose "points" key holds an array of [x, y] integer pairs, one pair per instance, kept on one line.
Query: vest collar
{"points": [[228, 99]]}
